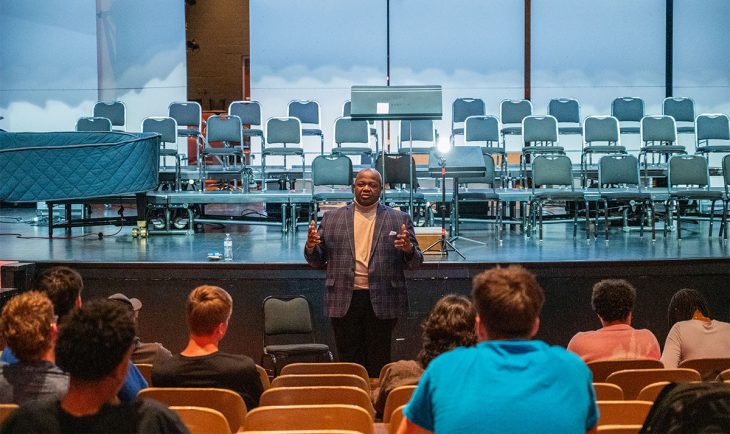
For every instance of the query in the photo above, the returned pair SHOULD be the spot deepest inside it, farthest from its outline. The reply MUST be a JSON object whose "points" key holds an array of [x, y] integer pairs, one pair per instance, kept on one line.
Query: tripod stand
{"points": [[444, 244]]}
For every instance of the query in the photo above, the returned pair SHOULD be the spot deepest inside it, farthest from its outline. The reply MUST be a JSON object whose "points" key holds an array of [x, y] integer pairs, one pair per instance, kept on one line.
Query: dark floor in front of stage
{"points": [[266, 244]]}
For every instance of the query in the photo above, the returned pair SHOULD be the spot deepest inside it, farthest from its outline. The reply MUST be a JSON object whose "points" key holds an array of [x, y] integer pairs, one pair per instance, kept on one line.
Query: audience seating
{"points": [[318, 395], [608, 392], [601, 369], [619, 429], [146, 370], [395, 419], [725, 375], [632, 381], [623, 412], [228, 402], [397, 398], [201, 420], [709, 368], [326, 368], [6, 410], [308, 380], [265, 381], [650, 392], [309, 417]]}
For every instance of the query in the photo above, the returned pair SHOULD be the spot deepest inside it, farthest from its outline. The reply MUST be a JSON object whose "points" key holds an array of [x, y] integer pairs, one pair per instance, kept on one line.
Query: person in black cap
{"points": [[144, 352]]}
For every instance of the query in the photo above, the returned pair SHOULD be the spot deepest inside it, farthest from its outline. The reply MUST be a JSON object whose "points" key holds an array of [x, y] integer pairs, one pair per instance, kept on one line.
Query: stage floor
{"points": [[266, 244]]}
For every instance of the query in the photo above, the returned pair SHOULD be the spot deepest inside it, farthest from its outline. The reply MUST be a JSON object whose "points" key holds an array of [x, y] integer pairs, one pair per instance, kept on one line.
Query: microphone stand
{"points": [[443, 242]]}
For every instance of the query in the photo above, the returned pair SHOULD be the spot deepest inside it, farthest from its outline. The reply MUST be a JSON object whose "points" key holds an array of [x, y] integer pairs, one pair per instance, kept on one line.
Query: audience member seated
{"points": [[507, 382], [201, 364], [613, 301], [450, 324], [63, 287], [693, 334], [94, 346], [28, 327], [144, 352]]}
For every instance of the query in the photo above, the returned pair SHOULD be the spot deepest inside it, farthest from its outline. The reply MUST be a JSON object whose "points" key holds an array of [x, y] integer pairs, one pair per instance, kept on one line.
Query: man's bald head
{"points": [[368, 185], [373, 171]]}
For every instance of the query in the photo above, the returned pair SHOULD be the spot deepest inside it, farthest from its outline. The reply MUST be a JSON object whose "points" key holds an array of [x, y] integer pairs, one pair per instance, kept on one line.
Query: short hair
{"points": [[683, 305], [63, 286], [508, 301], [613, 299], [26, 325], [207, 307], [373, 170], [450, 324], [94, 339]]}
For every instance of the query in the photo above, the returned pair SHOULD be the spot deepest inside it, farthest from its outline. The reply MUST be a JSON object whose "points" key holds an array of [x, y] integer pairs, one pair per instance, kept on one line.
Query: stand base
{"points": [[445, 247]]}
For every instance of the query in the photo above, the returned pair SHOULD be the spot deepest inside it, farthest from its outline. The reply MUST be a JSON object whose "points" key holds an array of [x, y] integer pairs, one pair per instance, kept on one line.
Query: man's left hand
{"points": [[403, 241]]}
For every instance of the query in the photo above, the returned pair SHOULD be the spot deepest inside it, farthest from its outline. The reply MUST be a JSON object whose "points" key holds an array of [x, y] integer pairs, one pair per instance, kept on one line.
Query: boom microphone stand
{"points": [[444, 244]]}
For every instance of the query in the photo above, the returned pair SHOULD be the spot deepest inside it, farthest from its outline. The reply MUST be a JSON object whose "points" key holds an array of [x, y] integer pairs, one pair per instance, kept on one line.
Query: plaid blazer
{"points": [[386, 280]]}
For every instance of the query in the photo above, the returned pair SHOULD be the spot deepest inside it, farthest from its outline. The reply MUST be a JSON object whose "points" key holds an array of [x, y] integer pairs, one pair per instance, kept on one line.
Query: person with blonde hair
{"points": [[201, 364]]}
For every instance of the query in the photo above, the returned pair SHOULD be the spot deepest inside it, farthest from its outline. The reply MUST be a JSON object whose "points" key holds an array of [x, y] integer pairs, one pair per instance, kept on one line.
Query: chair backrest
{"points": [[318, 395], [287, 315], [619, 169], [166, 127], [326, 368], [564, 110], [632, 412], [462, 108], [555, 170], [115, 111], [513, 111], [146, 370], [395, 419], [619, 429], [726, 172], [651, 391], [6, 410], [264, 376], [688, 170], [396, 169], [539, 129], [422, 130], [680, 108], [248, 111], [601, 129], [201, 420], [709, 368], [310, 380], [223, 128], [712, 126], [331, 170], [631, 381], [608, 392], [307, 111], [228, 402], [309, 417], [658, 129], [601, 369], [283, 130], [93, 124], [186, 114], [396, 398], [348, 130], [627, 109], [481, 129], [347, 109]]}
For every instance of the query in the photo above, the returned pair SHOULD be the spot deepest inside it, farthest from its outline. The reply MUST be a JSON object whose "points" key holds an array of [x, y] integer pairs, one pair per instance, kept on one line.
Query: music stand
{"points": [[403, 103]]}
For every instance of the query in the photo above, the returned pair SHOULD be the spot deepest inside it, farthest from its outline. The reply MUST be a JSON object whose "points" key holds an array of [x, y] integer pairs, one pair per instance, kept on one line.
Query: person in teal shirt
{"points": [[507, 383]]}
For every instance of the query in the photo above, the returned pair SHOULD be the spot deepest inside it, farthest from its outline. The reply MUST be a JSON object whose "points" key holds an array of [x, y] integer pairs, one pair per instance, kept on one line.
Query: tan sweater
{"points": [[363, 227]]}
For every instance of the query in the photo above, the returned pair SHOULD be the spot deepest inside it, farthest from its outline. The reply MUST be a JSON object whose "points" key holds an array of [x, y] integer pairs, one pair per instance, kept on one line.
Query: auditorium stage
{"points": [[162, 269]]}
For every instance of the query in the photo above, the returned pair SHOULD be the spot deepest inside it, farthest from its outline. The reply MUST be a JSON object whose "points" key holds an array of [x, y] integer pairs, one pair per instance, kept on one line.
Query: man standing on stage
{"points": [[365, 247]]}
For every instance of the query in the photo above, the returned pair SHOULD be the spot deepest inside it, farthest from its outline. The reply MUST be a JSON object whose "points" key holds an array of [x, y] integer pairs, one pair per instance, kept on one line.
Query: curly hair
{"points": [[508, 301], [63, 286], [94, 339], [207, 307], [613, 299], [450, 324], [25, 325], [683, 305]]}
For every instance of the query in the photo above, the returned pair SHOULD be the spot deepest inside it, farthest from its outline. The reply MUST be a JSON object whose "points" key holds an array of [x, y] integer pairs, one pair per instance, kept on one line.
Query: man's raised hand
{"points": [[403, 241], [312, 236]]}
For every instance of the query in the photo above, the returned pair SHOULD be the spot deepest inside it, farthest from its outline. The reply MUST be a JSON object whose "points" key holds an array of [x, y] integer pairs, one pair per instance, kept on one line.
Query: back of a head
{"points": [[508, 300], [613, 299], [684, 304], [207, 307], [26, 323], [94, 339], [63, 286], [450, 324]]}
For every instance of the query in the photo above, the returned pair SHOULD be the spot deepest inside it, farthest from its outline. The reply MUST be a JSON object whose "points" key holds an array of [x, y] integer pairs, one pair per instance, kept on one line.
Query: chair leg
{"points": [[653, 221], [712, 216], [263, 172], [539, 208], [605, 215], [679, 219]]}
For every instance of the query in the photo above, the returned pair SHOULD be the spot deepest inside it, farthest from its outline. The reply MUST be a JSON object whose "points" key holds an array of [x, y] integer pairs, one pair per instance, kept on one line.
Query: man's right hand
{"points": [[312, 236]]}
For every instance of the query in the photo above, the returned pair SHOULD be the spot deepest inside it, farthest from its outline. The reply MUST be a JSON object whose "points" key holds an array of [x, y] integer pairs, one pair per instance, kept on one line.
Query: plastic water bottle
{"points": [[228, 248]]}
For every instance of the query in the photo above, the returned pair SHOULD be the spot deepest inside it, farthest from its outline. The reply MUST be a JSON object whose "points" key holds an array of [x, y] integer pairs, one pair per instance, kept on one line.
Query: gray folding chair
{"points": [[423, 134], [683, 112], [93, 124], [352, 137], [286, 132], [115, 111], [629, 111], [166, 127], [600, 136], [346, 110], [225, 129], [250, 114], [567, 112], [511, 113], [555, 173], [189, 118], [658, 137], [688, 178], [726, 198], [489, 195], [461, 109], [713, 133], [335, 171], [539, 136], [485, 130], [308, 113]]}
